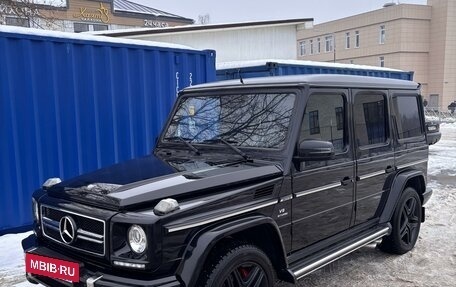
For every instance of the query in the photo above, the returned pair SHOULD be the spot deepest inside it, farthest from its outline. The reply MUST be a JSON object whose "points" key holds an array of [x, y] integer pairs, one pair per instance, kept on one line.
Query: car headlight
{"points": [[137, 239], [36, 212]]}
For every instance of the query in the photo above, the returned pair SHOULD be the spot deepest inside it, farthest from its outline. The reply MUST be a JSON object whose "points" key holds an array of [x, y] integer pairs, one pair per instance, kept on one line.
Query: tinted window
{"points": [[408, 121], [247, 120], [370, 119], [324, 119]]}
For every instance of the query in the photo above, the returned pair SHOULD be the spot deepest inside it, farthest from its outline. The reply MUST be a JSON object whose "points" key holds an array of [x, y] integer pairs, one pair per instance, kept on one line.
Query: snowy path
{"points": [[431, 263]]}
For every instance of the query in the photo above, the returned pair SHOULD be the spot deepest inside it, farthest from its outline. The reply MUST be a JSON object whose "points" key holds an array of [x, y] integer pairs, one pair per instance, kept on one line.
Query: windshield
{"points": [[247, 120]]}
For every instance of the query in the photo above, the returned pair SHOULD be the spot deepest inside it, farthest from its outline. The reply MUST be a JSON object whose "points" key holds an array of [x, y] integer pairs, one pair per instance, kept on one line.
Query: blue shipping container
{"points": [[268, 68], [73, 103]]}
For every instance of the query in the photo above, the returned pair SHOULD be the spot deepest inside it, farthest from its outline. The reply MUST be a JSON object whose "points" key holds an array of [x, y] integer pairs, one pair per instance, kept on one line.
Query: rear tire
{"points": [[243, 265], [406, 224]]}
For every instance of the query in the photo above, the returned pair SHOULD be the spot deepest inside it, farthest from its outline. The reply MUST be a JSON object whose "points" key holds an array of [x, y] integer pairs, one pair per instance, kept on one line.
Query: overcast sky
{"points": [[257, 10]]}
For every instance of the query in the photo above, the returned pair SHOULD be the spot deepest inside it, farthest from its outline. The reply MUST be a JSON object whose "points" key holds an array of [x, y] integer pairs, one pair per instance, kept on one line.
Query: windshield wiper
{"points": [[186, 141], [227, 143]]}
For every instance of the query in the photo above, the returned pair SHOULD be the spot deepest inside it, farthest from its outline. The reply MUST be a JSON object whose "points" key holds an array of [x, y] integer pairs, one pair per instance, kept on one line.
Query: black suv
{"points": [[251, 181]]}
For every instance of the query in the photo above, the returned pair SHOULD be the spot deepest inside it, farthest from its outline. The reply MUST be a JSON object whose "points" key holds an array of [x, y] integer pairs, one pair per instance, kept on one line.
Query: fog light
{"points": [[137, 239], [130, 265]]}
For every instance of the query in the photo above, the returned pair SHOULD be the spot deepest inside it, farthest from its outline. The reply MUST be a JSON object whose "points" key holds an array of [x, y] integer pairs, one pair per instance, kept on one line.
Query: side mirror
{"points": [[311, 150]]}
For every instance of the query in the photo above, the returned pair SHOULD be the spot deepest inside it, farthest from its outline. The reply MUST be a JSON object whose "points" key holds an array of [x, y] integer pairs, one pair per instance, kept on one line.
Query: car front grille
{"points": [[88, 234]]}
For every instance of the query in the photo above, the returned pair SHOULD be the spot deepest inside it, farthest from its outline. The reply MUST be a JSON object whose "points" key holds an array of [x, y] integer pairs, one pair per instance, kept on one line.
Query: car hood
{"points": [[145, 180]]}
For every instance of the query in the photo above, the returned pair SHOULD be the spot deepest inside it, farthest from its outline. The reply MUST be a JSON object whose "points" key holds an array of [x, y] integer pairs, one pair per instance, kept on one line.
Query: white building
{"points": [[233, 42]]}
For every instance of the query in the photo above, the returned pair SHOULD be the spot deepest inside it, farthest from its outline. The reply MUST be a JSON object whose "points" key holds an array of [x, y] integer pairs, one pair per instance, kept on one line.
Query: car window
{"points": [[371, 124], [248, 120], [324, 119], [408, 123]]}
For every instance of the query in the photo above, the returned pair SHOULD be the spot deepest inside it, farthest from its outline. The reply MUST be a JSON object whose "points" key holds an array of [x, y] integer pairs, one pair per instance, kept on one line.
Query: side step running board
{"points": [[302, 270]]}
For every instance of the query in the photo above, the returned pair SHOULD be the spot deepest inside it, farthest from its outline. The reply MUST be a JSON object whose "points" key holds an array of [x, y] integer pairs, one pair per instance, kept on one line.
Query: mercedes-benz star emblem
{"points": [[67, 229]]}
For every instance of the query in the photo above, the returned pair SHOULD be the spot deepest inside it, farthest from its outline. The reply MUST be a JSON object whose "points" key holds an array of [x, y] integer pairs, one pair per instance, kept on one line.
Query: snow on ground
{"points": [[431, 263], [12, 259]]}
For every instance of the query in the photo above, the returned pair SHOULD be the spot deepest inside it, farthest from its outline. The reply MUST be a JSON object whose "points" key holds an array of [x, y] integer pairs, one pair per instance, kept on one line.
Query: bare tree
{"points": [[31, 13], [204, 19]]}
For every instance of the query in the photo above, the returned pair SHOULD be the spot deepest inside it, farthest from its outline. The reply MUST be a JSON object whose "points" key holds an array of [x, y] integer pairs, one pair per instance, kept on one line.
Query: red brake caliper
{"points": [[245, 272]]}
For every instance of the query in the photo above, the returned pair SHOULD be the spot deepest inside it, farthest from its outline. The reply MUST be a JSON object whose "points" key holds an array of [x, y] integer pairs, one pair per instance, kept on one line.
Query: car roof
{"points": [[327, 80]]}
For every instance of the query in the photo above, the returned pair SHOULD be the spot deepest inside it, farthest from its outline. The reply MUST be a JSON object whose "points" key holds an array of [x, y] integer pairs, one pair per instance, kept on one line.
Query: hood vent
{"points": [[264, 191]]}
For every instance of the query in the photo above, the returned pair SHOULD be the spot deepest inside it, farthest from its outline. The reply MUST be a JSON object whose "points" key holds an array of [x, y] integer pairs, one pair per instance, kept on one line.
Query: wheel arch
{"points": [[245, 230], [404, 179]]}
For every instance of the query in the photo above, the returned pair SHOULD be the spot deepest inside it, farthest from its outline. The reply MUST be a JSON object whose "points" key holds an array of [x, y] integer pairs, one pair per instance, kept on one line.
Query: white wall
{"points": [[238, 44]]}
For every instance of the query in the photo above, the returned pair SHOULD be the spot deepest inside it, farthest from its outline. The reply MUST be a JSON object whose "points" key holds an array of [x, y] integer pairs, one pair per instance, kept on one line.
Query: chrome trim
{"points": [[50, 223], [317, 189], [31, 249], [82, 237], [202, 222], [286, 198], [90, 234], [372, 174], [412, 163], [91, 281], [340, 253], [77, 214]]}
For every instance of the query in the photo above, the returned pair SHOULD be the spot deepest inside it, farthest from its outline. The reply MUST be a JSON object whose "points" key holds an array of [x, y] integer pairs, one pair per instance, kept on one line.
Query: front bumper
{"points": [[88, 277]]}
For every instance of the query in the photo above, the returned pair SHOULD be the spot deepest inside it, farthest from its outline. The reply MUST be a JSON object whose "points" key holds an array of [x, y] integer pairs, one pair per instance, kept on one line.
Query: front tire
{"points": [[243, 265], [406, 223]]}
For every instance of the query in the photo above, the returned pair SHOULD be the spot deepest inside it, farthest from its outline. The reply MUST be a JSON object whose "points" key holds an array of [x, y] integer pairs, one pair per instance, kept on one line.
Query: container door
{"points": [[323, 190]]}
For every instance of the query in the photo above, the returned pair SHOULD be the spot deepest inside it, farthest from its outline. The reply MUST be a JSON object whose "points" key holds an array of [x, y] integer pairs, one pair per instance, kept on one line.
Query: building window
{"points": [[328, 43], [381, 61], [314, 124], [84, 27], [347, 40], [311, 42], [15, 21], [356, 39], [382, 34], [318, 45], [302, 48], [98, 27], [81, 27]]}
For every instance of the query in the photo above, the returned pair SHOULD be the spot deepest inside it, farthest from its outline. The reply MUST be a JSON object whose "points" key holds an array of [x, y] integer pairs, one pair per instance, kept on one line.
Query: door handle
{"points": [[346, 180], [390, 169]]}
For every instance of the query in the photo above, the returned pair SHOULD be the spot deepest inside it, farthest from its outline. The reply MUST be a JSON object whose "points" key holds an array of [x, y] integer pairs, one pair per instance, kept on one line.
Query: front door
{"points": [[324, 190]]}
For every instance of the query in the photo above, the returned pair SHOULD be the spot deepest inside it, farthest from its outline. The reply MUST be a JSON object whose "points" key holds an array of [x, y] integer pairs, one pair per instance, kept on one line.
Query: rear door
{"points": [[374, 151], [411, 145], [323, 190]]}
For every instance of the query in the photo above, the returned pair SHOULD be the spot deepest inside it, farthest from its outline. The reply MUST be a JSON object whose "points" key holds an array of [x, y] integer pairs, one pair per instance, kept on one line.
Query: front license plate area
{"points": [[51, 267]]}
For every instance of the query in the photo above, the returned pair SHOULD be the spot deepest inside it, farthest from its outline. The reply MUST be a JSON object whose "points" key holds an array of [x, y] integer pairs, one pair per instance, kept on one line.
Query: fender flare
{"points": [[397, 187], [201, 244]]}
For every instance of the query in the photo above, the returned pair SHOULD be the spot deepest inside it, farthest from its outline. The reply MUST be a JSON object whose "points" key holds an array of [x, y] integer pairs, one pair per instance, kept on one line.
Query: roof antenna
{"points": [[240, 76]]}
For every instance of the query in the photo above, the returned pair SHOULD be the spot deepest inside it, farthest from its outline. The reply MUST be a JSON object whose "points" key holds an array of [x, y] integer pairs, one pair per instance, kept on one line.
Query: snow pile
{"points": [[442, 156], [12, 269]]}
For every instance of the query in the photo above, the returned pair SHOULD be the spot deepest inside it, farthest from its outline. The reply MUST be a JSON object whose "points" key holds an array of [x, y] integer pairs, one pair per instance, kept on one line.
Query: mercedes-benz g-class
{"points": [[250, 181]]}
